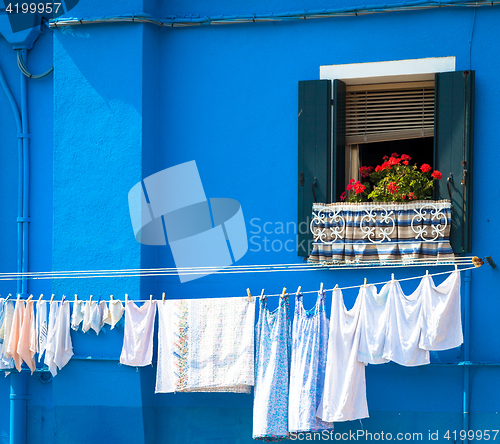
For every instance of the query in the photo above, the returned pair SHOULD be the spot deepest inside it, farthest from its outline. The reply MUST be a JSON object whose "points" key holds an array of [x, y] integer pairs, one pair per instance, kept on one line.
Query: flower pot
{"points": [[381, 232]]}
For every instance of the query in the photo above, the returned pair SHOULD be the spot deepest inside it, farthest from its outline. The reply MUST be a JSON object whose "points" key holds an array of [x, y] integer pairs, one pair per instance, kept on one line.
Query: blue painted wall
{"points": [[127, 100]]}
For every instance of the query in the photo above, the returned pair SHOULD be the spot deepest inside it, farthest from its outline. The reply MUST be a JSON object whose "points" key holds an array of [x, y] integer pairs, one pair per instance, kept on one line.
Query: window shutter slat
{"points": [[383, 115], [314, 154], [453, 140]]}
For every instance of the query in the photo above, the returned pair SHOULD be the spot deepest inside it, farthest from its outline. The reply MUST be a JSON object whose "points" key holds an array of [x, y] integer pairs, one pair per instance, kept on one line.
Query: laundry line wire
{"points": [[227, 270], [280, 294]]}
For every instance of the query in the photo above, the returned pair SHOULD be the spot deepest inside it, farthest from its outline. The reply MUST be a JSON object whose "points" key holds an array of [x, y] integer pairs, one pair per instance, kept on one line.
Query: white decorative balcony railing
{"points": [[381, 231]]}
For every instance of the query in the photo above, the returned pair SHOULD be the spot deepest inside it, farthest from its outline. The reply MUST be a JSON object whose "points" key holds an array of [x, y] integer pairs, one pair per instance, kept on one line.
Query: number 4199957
{"points": [[478, 435], [31, 8]]}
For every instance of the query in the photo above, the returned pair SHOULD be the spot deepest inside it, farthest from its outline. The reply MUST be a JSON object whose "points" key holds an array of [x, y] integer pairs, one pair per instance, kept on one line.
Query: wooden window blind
{"points": [[383, 112]]}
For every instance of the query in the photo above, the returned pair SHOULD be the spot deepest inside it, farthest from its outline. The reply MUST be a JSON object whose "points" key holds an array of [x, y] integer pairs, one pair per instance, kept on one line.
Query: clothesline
{"points": [[280, 294], [268, 268]]}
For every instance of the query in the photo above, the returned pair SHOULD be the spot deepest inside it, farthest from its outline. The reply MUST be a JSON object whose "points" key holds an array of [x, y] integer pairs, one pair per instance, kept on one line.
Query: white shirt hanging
{"points": [[344, 395], [137, 347]]}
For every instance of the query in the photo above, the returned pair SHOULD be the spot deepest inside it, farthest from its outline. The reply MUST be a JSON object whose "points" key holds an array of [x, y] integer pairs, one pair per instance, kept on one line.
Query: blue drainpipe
{"points": [[18, 381], [26, 177], [466, 406]]}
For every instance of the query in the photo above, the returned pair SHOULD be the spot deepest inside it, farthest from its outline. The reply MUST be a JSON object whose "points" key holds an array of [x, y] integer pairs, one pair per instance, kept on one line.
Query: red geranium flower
{"points": [[436, 175], [405, 162], [386, 166], [394, 155], [425, 168], [378, 168], [411, 196], [393, 187], [385, 158], [405, 157], [359, 188], [342, 197], [365, 171], [394, 161]]}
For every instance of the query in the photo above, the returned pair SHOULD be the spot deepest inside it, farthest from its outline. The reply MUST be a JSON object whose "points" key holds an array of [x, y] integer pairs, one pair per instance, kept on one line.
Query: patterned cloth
{"points": [[307, 373], [206, 345], [381, 231], [272, 368]]}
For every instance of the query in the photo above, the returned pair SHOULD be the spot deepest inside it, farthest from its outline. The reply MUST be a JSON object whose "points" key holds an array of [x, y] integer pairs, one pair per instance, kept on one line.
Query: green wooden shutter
{"points": [[454, 110], [339, 126], [314, 154]]}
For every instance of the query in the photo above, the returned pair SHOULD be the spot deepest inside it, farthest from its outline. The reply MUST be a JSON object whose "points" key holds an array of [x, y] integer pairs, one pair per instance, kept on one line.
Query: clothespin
{"points": [[110, 297], [249, 295], [364, 283], [262, 295], [40, 298], [76, 298], [8, 297], [150, 298], [126, 297], [284, 292], [18, 297], [298, 290], [30, 298], [392, 277], [321, 287], [456, 267], [52, 298], [336, 286], [427, 272], [163, 298]]}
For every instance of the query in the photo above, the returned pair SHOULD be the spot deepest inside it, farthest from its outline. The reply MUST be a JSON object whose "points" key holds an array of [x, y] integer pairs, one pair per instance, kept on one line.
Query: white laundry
{"points": [[115, 313], [98, 313], [77, 315], [373, 324], [63, 348], [344, 394], [137, 347], [50, 348], [5, 324], [87, 315], [442, 318], [404, 326], [206, 345], [41, 326]]}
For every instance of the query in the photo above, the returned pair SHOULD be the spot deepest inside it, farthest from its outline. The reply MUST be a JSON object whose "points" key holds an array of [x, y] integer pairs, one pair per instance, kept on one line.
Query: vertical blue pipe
{"points": [[18, 381], [26, 177], [17, 119], [466, 397], [18, 399]]}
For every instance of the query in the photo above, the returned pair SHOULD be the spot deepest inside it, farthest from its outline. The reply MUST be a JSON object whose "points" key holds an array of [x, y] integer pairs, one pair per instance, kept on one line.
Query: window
{"points": [[333, 144]]}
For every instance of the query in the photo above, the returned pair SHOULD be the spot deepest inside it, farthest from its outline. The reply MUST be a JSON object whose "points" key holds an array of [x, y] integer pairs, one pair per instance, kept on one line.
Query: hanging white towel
{"points": [[344, 395], [41, 328], [15, 333], [373, 324], [78, 314], [50, 348], [87, 315], [115, 313], [26, 347], [63, 348], [5, 325], [404, 327], [98, 313], [442, 318], [137, 349], [206, 345]]}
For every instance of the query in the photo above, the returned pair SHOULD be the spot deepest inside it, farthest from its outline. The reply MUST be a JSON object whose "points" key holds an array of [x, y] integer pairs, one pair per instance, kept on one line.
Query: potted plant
{"points": [[386, 215]]}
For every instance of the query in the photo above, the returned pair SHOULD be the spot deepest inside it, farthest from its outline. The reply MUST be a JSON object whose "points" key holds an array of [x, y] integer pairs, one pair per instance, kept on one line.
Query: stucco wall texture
{"points": [[127, 100]]}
